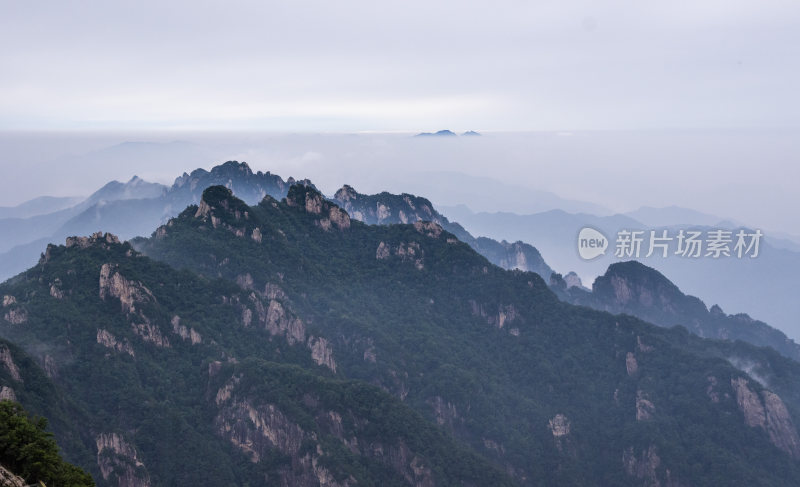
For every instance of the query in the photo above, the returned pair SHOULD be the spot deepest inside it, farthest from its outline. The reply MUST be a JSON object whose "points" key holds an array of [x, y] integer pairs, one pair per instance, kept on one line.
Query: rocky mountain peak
{"points": [[346, 193], [96, 239], [308, 198], [635, 284], [233, 168]]}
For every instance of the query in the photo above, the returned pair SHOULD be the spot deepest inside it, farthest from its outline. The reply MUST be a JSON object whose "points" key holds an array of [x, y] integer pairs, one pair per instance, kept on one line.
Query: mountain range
{"points": [[268, 335], [763, 287]]}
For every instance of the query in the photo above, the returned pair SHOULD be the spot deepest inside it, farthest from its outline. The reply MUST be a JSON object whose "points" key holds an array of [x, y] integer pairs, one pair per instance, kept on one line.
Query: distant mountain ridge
{"points": [[386, 208], [633, 288], [129, 209], [117, 208], [298, 346], [764, 287], [137, 207], [440, 133], [39, 206]]}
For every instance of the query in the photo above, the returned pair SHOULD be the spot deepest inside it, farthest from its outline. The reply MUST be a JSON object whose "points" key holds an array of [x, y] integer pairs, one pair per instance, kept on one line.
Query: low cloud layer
{"points": [[360, 66]]}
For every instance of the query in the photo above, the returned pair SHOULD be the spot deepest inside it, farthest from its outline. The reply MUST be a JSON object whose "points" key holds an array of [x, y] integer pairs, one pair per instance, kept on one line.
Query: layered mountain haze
{"points": [[386, 208], [763, 287], [289, 338], [128, 210], [633, 288], [173, 373], [39, 206], [487, 320]]}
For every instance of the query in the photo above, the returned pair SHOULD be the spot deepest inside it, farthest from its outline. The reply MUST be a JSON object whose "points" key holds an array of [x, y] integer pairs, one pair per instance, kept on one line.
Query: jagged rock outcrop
{"points": [[644, 407], [16, 316], [386, 208], [8, 479], [573, 280], [411, 466], [631, 365], [259, 430], [185, 332], [129, 293], [8, 363], [407, 252], [638, 290], [256, 430], [108, 340], [100, 239], [119, 463], [766, 410], [314, 203], [559, 425], [505, 314], [322, 352], [150, 333], [278, 321], [429, 229], [249, 186], [7, 394], [55, 289], [643, 466]]}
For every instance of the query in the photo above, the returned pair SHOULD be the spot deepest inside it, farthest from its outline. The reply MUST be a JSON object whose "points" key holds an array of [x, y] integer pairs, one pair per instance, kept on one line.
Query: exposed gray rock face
{"points": [[259, 429], [280, 321], [151, 334], [55, 289], [386, 208], [245, 281], [256, 430], [119, 463], [407, 252], [322, 352], [314, 203], [8, 479], [504, 314], [275, 318], [445, 412], [7, 394], [429, 229], [631, 365], [98, 238], [642, 467], [8, 363], [573, 280], [767, 411], [129, 293], [185, 332], [635, 289], [247, 317], [108, 340], [559, 425], [16, 316], [644, 407]]}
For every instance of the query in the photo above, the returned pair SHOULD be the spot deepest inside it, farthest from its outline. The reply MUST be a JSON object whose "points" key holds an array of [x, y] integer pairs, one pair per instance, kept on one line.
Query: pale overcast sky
{"points": [[384, 66]]}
